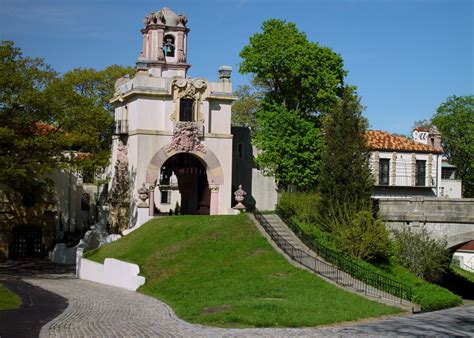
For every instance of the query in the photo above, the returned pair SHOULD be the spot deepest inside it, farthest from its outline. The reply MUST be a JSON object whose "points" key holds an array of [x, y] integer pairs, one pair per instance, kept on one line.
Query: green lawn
{"points": [[8, 300], [220, 271]]}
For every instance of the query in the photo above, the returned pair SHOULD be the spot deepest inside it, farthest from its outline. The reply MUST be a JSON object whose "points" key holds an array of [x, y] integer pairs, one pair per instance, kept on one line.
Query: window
{"points": [[186, 110], [240, 150], [447, 173], [420, 175], [384, 171]]}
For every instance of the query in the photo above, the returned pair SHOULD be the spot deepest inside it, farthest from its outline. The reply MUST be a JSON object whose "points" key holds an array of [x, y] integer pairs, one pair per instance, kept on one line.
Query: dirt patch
{"points": [[259, 251], [215, 309]]}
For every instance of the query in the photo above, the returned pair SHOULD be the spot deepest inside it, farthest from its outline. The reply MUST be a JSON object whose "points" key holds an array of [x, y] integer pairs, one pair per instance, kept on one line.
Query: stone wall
{"points": [[452, 219]]}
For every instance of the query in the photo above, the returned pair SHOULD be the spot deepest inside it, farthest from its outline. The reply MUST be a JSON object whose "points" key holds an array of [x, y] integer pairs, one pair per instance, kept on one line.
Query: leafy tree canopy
{"points": [[293, 71], [455, 120], [45, 116], [291, 146], [244, 110]]}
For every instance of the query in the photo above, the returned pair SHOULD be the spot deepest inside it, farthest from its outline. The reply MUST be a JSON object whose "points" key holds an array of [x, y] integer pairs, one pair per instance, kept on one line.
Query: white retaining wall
{"points": [[113, 272]]}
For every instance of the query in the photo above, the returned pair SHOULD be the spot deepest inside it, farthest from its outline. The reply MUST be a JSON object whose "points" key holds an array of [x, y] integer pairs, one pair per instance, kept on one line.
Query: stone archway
{"points": [[211, 164], [192, 183]]}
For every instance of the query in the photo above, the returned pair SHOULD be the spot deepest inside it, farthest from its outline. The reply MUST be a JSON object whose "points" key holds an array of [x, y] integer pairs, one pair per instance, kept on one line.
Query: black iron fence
{"points": [[335, 266]]}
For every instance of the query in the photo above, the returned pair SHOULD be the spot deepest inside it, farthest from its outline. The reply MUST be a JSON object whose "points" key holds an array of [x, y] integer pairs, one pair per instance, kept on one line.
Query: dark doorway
{"points": [[26, 241], [192, 183]]}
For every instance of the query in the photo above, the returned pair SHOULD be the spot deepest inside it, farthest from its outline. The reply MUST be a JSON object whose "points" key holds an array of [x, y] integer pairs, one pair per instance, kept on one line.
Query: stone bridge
{"points": [[452, 219]]}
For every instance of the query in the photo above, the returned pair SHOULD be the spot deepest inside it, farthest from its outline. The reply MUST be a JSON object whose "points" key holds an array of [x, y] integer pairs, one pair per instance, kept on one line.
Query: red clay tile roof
{"points": [[381, 140]]}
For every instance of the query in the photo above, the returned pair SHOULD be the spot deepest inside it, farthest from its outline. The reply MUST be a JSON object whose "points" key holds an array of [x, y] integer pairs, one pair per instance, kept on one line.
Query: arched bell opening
{"points": [[185, 174]]}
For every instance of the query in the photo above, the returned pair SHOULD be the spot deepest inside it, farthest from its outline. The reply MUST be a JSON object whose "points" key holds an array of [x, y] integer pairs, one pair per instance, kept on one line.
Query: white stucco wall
{"points": [[402, 175]]}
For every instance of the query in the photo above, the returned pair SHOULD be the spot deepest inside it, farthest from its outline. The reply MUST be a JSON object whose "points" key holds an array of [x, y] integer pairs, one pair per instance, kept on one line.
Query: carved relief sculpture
{"points": [[186, 138]]}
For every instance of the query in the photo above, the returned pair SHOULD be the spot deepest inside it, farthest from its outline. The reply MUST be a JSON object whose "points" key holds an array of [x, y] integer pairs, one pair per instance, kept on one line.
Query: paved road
{"points": [[38, 307], [97, 310], [101, 311]]}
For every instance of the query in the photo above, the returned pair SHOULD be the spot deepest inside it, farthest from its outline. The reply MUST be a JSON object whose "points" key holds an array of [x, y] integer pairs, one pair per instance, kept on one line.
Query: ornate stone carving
{"points": [[190, 89], [186, 138], [214, 188], [143, 195], [182, 20], [239, 198]]}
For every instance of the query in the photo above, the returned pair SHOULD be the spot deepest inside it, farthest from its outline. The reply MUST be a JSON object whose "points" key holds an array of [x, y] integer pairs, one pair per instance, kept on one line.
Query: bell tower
{"points": [[164, 48]]}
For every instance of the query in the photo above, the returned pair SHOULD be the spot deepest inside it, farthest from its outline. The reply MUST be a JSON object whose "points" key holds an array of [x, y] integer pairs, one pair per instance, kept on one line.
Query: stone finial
{"points": [[239, 198]]}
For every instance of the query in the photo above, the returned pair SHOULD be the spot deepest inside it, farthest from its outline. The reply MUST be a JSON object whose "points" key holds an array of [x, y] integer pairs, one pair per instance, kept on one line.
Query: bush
{"points": [[303, 204], [432, 297], [421, 254], [361, 235]]}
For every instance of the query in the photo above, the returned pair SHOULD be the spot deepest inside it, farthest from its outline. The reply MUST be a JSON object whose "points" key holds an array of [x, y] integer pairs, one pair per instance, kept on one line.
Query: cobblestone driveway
{"points": [[101, 311]]}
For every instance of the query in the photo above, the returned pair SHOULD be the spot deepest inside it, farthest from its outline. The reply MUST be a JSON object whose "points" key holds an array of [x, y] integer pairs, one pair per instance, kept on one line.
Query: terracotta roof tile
{"points": [[381, 140]]}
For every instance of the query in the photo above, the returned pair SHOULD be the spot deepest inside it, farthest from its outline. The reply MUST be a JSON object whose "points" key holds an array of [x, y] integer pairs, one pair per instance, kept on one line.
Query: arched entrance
{"points": [[192, 182]]}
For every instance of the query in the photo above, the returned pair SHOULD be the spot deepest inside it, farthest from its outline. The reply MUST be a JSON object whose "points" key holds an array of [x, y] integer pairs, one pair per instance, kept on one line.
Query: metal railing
{"points": [[337, 268]]}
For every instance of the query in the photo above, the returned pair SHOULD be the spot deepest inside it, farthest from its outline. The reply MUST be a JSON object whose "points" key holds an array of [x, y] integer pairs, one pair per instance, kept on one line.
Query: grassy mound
{"points": [[8, 300], [218, 270]]}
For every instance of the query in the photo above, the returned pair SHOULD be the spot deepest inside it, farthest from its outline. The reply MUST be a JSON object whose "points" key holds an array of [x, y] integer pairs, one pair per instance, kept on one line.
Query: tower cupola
{"points": [[164, 48]]}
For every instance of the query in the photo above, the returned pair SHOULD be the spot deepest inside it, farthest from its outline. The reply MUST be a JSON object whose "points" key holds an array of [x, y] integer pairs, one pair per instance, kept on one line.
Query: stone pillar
{"points": [[180, 46], [429, 170], [151, 207], [393, 169], [143, 53], [214, 207], [413, 169], [375, 167], [160, 34]]}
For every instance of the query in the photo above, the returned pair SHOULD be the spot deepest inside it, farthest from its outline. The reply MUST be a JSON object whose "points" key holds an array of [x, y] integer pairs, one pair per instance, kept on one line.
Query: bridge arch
{"points": [[456, 240]]}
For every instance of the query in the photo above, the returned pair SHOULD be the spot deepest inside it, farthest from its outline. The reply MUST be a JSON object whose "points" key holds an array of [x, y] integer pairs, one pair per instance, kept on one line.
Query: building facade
{"points": [[174, 130]]}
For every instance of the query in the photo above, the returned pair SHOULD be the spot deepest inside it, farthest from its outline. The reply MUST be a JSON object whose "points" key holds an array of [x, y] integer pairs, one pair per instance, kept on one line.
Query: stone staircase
{"points": [[295, 250]]}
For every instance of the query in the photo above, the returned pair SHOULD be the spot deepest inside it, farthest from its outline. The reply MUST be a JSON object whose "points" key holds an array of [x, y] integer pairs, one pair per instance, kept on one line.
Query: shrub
{"points": [[421, 254], [303, 204], [432, 297], [361, 235]]}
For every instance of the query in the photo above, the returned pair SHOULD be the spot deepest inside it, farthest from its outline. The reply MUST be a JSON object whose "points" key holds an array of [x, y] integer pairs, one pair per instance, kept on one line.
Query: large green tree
{"points": [[48, 119], [30, 142], [298, 80], [455, 119], [291, 70]]}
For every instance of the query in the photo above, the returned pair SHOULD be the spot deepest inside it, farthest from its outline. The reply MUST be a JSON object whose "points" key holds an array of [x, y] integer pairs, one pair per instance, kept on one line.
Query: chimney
{"points": [[434, 138]]}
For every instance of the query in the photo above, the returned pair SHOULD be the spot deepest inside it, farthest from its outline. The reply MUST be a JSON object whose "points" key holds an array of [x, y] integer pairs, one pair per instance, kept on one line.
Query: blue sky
{"points": [[406, 57]]}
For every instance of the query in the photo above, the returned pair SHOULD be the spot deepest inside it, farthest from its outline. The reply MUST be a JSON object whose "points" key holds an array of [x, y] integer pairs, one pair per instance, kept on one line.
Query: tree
{"points": [[299, 80], [291, 70], [30, 143], [346, 179], [291, 147], [455, 120], [48, 120], [83, 96], [244, 110]]}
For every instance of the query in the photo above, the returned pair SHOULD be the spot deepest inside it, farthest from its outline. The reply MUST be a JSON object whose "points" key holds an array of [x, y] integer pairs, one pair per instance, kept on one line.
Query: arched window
{"points": [[168, 45]]}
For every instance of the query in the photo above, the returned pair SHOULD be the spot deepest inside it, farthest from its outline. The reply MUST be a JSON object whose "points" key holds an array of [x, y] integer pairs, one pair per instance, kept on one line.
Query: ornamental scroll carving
{"points": [[186, 138], [189, 89]]}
